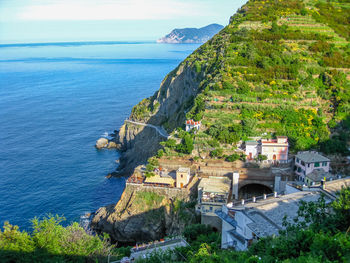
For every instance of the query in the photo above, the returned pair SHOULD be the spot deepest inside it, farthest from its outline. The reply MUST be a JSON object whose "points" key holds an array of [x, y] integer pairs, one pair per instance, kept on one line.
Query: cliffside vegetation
{"points": [[281, 67]]}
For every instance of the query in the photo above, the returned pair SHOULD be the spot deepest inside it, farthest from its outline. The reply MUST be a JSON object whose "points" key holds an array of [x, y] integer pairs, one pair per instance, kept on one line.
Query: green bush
{"points": [[51, 242]]}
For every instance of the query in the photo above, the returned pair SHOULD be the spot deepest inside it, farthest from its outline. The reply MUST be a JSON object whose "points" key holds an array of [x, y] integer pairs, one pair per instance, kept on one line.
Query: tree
{"points": [[186, 145]]}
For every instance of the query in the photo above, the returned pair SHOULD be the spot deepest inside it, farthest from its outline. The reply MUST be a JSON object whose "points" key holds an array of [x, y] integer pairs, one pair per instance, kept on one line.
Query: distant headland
{"points": [[191, 35]]}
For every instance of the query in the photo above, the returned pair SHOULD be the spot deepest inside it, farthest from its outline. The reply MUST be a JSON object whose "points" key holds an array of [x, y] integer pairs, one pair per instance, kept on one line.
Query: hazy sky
{"points": [[111, 20]]}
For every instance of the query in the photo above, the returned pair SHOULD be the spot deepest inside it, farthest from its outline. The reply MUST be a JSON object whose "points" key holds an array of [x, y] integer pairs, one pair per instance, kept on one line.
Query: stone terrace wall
{"points": [[180, 193]]}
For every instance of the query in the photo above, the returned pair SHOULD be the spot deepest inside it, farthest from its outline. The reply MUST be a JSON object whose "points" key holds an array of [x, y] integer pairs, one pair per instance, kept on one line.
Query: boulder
{"points": [[101, 143], [111, 145]]}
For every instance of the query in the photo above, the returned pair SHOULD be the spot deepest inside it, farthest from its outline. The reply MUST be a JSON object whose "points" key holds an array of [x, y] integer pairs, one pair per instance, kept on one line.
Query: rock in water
{"points": [[101, 143], [111, 145]]}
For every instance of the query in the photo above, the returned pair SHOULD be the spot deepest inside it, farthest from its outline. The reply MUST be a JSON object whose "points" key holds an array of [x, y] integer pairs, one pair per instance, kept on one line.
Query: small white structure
{"points": [[191, 124], [183, 176], [306, 162], [251, 149]]}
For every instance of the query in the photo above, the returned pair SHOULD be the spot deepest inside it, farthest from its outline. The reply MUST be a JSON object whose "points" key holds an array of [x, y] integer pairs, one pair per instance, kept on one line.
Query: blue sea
{"points": [[56, 100]]}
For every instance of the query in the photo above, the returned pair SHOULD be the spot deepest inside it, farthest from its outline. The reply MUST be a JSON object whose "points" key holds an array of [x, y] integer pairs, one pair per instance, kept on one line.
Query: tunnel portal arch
{"points": [[254, 189]]}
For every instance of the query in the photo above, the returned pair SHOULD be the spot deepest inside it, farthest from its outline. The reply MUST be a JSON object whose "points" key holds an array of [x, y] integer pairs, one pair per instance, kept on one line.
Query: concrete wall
{"points": [[213, 221]]}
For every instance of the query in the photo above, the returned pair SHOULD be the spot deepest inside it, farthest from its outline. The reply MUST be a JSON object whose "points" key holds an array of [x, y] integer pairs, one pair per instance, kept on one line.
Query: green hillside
{"points": [[280, 67]]}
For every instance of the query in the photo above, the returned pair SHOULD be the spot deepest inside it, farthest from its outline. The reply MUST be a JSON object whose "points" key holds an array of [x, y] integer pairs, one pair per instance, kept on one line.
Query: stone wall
{"points": [[180, 193]]}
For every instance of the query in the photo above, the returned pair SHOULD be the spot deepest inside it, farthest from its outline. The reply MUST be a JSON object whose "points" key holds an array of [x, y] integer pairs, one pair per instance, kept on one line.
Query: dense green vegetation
{"points": [[281, 67], [51, 242], [320, 233]]}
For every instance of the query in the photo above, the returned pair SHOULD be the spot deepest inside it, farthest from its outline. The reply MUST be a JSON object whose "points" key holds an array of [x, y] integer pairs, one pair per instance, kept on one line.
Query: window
{"points": [[308, 165], [297, 160], [302, 163], [324, 164], [299, 169], [317, 164], [182, 176], [211, 208]]}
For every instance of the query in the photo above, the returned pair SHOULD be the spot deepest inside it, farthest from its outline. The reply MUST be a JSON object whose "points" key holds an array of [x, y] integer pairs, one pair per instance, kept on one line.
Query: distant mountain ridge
{"points": [[191, 35]]}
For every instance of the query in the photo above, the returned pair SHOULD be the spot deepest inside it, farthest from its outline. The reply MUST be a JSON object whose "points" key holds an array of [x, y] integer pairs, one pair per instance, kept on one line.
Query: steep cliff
{"points": [[165, 108], [191, 35], [144, 215]]}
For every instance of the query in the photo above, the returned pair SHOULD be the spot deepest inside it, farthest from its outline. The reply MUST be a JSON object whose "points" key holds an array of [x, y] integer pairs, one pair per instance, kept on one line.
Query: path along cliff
{"points": [[139, 137]]}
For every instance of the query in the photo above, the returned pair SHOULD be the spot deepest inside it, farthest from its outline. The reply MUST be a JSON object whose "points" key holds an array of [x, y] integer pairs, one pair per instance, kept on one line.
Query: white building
{"points": [[183, 176], [252, 149], [191, 124], [307, 162]]}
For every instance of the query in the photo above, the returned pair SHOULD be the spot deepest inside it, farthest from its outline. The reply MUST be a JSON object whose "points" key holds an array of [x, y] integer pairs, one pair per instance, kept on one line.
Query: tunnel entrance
{"points": [[250, 190]]}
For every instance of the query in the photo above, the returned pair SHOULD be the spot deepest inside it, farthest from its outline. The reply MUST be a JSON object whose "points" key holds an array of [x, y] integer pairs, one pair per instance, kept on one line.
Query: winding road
{"points": [[159, 129]]}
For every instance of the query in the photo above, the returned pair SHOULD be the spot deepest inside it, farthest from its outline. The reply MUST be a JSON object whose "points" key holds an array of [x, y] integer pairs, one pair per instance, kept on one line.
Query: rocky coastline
{"points": [[133, 219]]}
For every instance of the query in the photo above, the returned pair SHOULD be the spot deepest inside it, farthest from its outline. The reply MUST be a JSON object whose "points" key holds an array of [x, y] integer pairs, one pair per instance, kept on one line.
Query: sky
{"points": [[31, 21]]}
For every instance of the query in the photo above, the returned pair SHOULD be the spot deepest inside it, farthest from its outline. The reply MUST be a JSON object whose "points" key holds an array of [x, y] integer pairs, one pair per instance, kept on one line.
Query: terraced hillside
{"points": [[281, 67]]}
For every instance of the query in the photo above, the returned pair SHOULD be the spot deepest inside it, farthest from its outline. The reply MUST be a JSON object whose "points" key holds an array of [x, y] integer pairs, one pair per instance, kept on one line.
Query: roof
{"points": [[192, 122], [160, 180], [318, 175], [184, 170], [230, 220], [273, 142], [311, 157], [267, 215], [251, 143], [215, 184], [332, 187]]}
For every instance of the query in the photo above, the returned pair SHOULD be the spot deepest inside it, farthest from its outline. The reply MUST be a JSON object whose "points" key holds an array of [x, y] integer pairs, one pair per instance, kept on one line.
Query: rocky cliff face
{"points": [[165, 108], [191, 35], [144, 215]]}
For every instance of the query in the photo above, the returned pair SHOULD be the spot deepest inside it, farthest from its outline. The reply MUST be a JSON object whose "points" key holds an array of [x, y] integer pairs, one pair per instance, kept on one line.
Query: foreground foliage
{"points": [[51, 242]]}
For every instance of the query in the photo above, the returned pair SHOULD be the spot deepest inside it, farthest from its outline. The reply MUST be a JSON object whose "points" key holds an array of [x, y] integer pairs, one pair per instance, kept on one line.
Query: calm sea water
{"points": [[55, 101]]}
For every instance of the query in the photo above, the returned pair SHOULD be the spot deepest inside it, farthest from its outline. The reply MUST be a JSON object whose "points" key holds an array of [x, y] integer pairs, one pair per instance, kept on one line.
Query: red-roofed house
{"points": [[191, 124]]}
